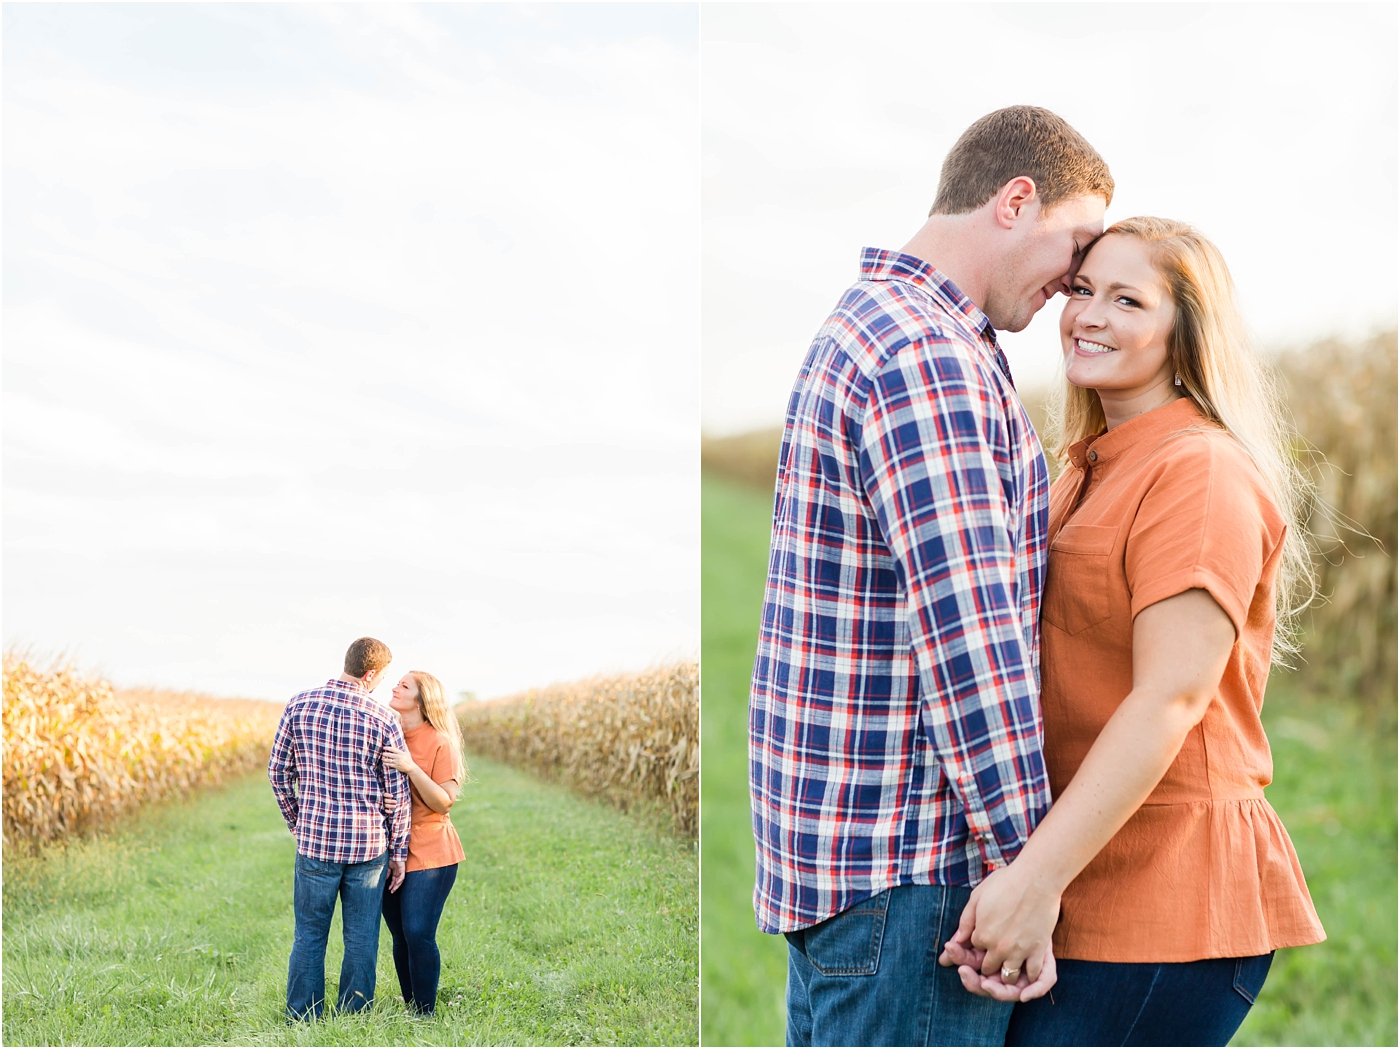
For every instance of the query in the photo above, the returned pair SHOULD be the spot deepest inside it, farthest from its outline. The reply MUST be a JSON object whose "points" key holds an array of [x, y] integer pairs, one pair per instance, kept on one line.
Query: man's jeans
{"points": [[360, 887], [870, 976]]}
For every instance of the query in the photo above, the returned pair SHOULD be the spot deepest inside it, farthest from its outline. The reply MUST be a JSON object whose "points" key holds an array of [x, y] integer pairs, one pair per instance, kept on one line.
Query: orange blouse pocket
{"points": [[1076, 581]]}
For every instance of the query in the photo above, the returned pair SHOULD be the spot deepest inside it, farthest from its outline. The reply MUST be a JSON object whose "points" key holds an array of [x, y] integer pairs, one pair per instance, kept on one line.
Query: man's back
{"points": [[898, 645], [327, 772]]}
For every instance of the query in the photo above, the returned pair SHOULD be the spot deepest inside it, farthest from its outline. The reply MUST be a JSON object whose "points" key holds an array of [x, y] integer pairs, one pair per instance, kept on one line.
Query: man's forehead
{"points": [[1084, 214]]}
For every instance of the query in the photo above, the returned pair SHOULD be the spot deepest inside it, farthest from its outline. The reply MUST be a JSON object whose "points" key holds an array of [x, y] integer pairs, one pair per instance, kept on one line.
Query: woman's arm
{"points": [[1180, 648], [436, 796]]}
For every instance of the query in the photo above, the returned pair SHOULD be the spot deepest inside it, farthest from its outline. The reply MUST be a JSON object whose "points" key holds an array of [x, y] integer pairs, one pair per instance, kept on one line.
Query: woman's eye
{"points": [[1082, 291], [1127, 301]]}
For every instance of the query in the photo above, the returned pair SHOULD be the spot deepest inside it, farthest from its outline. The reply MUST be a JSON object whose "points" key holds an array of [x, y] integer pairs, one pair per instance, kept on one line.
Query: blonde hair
{"points": [[1231, 385], [432, 701]]}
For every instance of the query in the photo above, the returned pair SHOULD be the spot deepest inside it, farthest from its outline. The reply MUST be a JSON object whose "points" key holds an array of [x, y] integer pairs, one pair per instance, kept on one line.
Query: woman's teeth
{"points": [[1093, 347]]}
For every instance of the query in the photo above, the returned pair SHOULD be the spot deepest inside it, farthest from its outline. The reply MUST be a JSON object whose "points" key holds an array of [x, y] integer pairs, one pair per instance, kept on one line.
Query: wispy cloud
{"points": [[334, 320]]}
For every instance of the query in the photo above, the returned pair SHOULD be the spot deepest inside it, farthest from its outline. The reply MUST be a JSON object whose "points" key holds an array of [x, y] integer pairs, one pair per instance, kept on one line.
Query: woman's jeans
{"points": [[315, 886], [412, 915], [870, 976], [1117, 1003]]}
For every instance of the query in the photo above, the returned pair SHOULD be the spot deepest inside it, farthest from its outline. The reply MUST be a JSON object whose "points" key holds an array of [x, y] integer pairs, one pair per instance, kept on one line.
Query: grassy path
{"points": [[1334, 788], [570, 923]]}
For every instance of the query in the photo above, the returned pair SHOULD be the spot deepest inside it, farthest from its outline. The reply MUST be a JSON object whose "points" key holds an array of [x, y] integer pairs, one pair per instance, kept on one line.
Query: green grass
{"points": [[743, 970], [570, 923], [1335, 789]]}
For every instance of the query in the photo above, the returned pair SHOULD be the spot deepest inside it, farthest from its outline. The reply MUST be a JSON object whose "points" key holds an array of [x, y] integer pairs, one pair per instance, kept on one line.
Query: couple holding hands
{"points": [[366, 790], [949, 641]]}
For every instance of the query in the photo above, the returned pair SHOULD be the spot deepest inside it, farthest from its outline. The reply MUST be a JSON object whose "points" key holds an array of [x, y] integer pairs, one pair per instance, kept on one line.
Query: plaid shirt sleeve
{"points": [[282, 771], [934, 457], [398, 821]]}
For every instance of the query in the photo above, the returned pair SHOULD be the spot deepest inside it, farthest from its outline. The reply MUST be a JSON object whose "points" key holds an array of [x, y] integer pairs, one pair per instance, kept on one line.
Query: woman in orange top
{"points": [[1175, 549], [433, 763]]}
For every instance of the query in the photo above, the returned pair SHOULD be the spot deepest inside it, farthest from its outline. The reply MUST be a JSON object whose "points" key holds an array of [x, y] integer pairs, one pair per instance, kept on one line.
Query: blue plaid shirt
{"points": [[328, 775], [894, 718]]}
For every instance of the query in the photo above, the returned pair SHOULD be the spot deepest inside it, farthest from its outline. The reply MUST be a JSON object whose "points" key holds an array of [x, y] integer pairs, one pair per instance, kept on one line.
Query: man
{"points": [[328, 775], [894, 723]]}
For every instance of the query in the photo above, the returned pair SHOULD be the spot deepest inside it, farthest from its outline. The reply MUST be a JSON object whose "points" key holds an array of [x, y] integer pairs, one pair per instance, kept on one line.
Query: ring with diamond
{"points": [[1009, 975]]}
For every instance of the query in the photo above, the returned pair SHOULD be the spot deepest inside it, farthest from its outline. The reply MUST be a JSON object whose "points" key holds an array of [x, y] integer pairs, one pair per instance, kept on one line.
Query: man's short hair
{"points": [[366, 655], [1016, 141]]}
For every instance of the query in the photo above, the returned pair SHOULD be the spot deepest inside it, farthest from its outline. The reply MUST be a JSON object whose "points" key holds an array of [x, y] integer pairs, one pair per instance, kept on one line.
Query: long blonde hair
{"points": [[1232, 386], [432, 701]]}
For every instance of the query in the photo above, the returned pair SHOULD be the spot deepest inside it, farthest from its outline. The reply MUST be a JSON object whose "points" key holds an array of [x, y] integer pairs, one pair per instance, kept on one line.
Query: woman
{"points": [[1176, 549], [433, 763]]}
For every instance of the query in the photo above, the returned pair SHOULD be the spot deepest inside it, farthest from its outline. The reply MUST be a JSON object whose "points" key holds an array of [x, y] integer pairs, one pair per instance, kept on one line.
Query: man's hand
{"points": [[396, 872]]}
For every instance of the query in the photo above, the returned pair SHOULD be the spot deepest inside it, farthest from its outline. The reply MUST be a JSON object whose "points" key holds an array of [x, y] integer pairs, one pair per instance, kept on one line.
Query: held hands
{"points": [[1006, 926], [396, 873], [398, 759]]}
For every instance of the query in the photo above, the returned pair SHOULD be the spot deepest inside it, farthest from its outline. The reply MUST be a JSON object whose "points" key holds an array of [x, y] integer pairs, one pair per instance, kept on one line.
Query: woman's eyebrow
{"points": [[1119, 286]]}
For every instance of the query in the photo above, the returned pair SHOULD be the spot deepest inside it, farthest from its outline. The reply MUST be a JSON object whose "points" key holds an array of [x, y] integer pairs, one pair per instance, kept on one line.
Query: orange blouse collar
{"points": [[1159, 422]]}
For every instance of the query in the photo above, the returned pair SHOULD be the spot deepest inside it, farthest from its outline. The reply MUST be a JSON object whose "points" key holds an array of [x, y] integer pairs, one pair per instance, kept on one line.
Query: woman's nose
{"points": [[1092, 315]]}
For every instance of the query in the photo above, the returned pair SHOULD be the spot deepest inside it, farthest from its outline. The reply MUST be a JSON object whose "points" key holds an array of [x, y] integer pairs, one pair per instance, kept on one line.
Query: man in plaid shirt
{"points": [[894, 723], [350, 816]]}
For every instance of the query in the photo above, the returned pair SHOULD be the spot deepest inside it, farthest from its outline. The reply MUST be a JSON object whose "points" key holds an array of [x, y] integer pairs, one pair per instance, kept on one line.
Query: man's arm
{"points": [[395, 786], [933, 443], [282, 771]]}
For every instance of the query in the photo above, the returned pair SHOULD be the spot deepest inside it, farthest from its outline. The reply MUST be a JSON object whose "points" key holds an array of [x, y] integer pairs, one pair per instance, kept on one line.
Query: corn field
{"points": [[79, 754], [630, 739], [1342, 396]]}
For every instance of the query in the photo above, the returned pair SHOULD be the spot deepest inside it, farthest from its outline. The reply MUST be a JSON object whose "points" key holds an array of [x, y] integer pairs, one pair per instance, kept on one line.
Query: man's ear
{"points": [[1015, 201]]}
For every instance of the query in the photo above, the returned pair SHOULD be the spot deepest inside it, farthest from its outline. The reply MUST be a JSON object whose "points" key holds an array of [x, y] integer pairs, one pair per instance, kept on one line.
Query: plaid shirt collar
{"points": [[880, 265], [355, 688]]}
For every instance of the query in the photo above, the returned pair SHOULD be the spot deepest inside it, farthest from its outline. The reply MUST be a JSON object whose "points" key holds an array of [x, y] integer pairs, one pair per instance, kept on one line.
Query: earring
{"points": [[1178, 378]]}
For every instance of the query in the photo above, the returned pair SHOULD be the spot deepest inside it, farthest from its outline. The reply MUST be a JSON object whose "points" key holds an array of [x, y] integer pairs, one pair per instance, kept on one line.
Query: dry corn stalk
{"points": [[628, 739], [1342, 396], [79, 754]]}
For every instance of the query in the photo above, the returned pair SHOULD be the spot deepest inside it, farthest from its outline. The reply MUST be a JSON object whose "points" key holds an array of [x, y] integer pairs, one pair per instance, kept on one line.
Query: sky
{"points": [[1269, 126], [323, 321]]}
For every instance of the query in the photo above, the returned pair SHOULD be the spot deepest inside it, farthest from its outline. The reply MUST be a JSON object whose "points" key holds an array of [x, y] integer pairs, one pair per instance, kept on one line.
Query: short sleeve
{"points": [[446, 764], [1205, 523]]}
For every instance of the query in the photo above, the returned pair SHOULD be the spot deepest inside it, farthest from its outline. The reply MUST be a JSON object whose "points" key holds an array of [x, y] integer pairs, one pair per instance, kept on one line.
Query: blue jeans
{"points": [[412, 915], [870, 976], [315, 887], [1116, 1003]]}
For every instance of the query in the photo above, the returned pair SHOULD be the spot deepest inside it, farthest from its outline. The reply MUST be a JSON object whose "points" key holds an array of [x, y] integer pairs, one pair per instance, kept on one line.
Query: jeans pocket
{"points": [[311, 865], [848, 944], [1250, 974]]}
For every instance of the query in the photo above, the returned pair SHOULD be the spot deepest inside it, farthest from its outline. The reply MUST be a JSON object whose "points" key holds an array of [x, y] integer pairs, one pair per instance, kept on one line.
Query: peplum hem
{"points": [[1187, 881]]}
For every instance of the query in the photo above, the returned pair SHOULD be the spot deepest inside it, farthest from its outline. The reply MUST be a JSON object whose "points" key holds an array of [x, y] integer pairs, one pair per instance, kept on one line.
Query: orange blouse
{"points": [[1161, 504], [432, 840]]}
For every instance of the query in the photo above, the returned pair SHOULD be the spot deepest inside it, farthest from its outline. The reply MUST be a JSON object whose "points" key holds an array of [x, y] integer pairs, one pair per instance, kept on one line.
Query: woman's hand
{"points": [[1008, 922], [969, 962], [398, 759]]}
